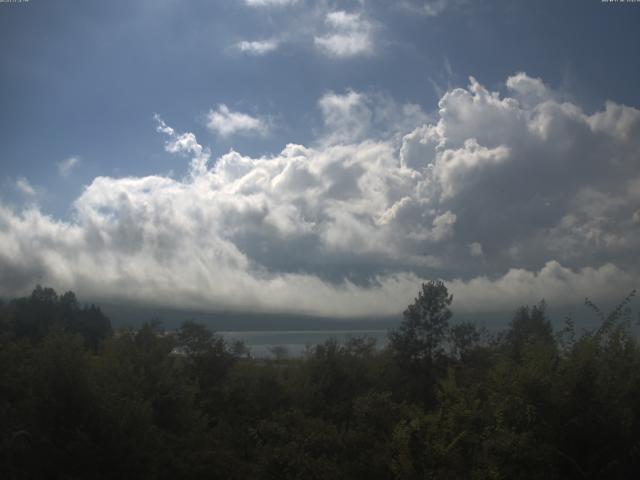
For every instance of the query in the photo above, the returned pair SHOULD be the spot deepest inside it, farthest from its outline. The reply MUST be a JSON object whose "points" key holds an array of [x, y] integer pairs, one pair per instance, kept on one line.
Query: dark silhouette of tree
{"points": [[418, 344], [528, 326], [463, 338], [44, 311], [420, 337], [279, 352]]}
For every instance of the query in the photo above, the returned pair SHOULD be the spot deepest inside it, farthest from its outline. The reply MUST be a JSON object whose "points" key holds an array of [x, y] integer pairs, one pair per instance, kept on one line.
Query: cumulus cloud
{"points": [[531, 177], [185, 144], [225, 122], [348, 35], [352, 117], [509, 196], [256, 47], [66, 166], [347, 116], [528, 90]]}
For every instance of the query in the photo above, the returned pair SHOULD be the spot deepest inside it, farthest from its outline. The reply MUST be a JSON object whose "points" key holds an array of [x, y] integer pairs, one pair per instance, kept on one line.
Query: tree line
{"points": [[440, 401]]}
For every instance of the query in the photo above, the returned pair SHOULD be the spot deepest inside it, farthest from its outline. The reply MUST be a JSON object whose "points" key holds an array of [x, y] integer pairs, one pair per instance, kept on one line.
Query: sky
{"points": [[320, 157]]}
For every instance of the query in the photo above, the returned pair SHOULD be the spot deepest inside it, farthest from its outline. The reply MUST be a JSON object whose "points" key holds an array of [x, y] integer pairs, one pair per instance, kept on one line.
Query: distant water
{"points": [[297, 341]]}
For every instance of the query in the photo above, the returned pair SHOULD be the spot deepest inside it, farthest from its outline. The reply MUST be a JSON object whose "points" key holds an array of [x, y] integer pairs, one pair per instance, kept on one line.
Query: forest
{"points": [[443, 400]]}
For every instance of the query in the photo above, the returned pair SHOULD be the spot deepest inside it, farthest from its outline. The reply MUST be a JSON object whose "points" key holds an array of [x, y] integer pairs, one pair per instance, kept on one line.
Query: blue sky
{"points": [[88, 85]]}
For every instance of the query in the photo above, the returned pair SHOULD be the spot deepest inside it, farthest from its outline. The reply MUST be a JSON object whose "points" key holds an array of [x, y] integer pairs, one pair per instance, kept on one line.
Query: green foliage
{"points": [[44, 311], [441, 402], [426, 322], [418, 345], [528, 327]]}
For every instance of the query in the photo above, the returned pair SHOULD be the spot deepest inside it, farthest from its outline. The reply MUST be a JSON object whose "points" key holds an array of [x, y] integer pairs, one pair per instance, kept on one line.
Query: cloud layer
{"points": [[511, 197]]}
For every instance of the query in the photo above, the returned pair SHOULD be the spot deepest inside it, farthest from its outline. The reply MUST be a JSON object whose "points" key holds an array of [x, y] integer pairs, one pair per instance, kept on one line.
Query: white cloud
{"points": [[545, 193], [225, 122], [355, 116], [185, 144], [524, 175], [431, 8], [269, 3], [66, 166], [24, 187], [349, 35], [456, 168], [347, 116], [257, 47], [558, 285], [530, 91]]}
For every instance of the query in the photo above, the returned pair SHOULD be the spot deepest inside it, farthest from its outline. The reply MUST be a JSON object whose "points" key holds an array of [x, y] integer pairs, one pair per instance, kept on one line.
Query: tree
{"points": [[279, 352], [197, 340], [44, 311], [529, 327], [417, 346], [207, 362], [463, 337], [426, 323]]}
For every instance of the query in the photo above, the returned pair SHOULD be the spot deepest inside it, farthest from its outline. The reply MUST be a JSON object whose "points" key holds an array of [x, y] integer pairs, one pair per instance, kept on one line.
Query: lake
{"points": [[297, 341]]}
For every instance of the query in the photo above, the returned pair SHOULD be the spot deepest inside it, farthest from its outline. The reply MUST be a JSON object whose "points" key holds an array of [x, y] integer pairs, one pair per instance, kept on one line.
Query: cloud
{"points": [[336, 33], [529, 91], [269, 3], [475, 249], [24, 187], [355, 116], [225, 123], [346, 116], [348, 35], [510, 197], [431, 8], [531, 177], [66, 166], [455, 168], [558, 285], [185, 144], [257, 47]]}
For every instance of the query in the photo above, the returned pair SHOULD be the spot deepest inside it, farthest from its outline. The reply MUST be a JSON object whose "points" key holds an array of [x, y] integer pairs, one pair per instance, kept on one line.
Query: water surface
{"points": [[297, 341]]}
